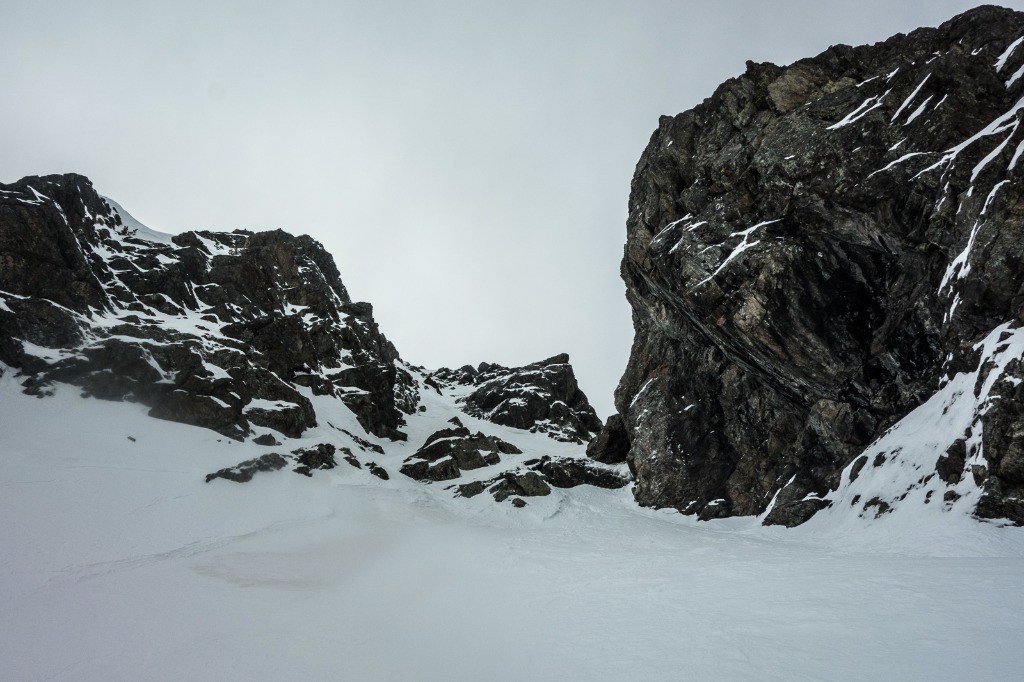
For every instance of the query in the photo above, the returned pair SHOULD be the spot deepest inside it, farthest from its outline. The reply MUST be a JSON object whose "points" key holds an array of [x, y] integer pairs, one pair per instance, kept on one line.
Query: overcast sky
{"points": [[467, 163]]}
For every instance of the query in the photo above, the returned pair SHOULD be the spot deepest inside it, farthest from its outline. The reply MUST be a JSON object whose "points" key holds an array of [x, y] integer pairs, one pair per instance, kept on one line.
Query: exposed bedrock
{"points": [[226, 330], [810, 253]]}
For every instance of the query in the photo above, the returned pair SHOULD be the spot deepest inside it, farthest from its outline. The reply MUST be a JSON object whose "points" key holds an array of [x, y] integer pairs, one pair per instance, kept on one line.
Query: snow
{"points": [[868, 105], [897, 161], [50, 355], [911, 447], [992, 195], [641, 391], [998, 125], [740, 248], [40, 198], [910, 99], [994, 153], [216, 371], [961, 265], [214, 248], [1016, 75], [136, 229], [1001, 61], [668, 228], [918, 111], [269, 405], [219, 401], [120, 562], [1016, 156]]}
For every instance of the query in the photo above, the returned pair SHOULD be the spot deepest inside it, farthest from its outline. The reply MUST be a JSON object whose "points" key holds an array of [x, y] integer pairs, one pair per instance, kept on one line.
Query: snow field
{"points": [[121, 563]]}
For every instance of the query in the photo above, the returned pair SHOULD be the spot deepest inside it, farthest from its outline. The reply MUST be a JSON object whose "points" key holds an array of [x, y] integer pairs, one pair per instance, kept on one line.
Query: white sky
{"points": [[466, 163]]}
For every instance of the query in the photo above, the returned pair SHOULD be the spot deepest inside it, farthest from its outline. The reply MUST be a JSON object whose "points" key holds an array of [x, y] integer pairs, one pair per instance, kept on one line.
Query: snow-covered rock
{"points": [[542, 397], [252, 335]]}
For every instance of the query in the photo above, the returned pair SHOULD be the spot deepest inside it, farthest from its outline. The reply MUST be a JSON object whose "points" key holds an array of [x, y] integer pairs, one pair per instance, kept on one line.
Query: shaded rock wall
{"points": [[811, 252]]}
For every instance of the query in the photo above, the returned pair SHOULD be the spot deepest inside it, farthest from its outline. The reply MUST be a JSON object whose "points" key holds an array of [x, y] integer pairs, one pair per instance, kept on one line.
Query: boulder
{"points": [[458, 445], [244, 471]]}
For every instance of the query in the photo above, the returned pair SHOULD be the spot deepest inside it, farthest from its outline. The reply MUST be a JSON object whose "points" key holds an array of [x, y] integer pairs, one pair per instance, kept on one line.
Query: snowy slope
{"points": [[121, 563]]}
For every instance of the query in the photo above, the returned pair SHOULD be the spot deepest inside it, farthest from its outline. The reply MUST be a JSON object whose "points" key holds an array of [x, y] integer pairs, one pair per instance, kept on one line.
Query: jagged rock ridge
{"points": [[255, 336], [221, 330], [813, 253]]}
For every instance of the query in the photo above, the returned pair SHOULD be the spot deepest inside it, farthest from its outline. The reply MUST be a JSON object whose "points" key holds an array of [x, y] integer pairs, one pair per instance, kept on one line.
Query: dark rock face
{"points": [[1002, 478], [810, 252], [564, 472], [523, 484], [317, 457], [221, 330], [378, 471], [540, 397], [611, 445], [447, 453], [364, 444], [244, 471], [539, 477], [307, 460]]}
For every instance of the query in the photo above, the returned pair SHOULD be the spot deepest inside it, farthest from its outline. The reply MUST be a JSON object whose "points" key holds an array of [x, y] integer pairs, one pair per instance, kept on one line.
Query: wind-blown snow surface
{"points": [[119, 562]]}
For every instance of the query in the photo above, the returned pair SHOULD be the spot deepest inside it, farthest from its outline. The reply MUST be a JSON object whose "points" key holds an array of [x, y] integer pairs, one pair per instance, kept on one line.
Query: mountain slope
{"points": [[120, 562], [815, 252], [255, 336]]}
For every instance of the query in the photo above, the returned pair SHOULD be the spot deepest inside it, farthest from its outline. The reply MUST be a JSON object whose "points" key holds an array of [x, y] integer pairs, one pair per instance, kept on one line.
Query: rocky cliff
{"points": [[215, 329], [825, 271], [255, 336]]}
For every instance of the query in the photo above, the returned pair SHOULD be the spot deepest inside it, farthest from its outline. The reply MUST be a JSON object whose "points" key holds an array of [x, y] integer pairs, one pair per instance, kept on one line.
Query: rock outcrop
{"points": [[448, 452], [815, 255], [254, 335], [611, 446], [307, 460], [515, 484], [540, 397], [564, 472], [536, 478], [230, 331]]}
